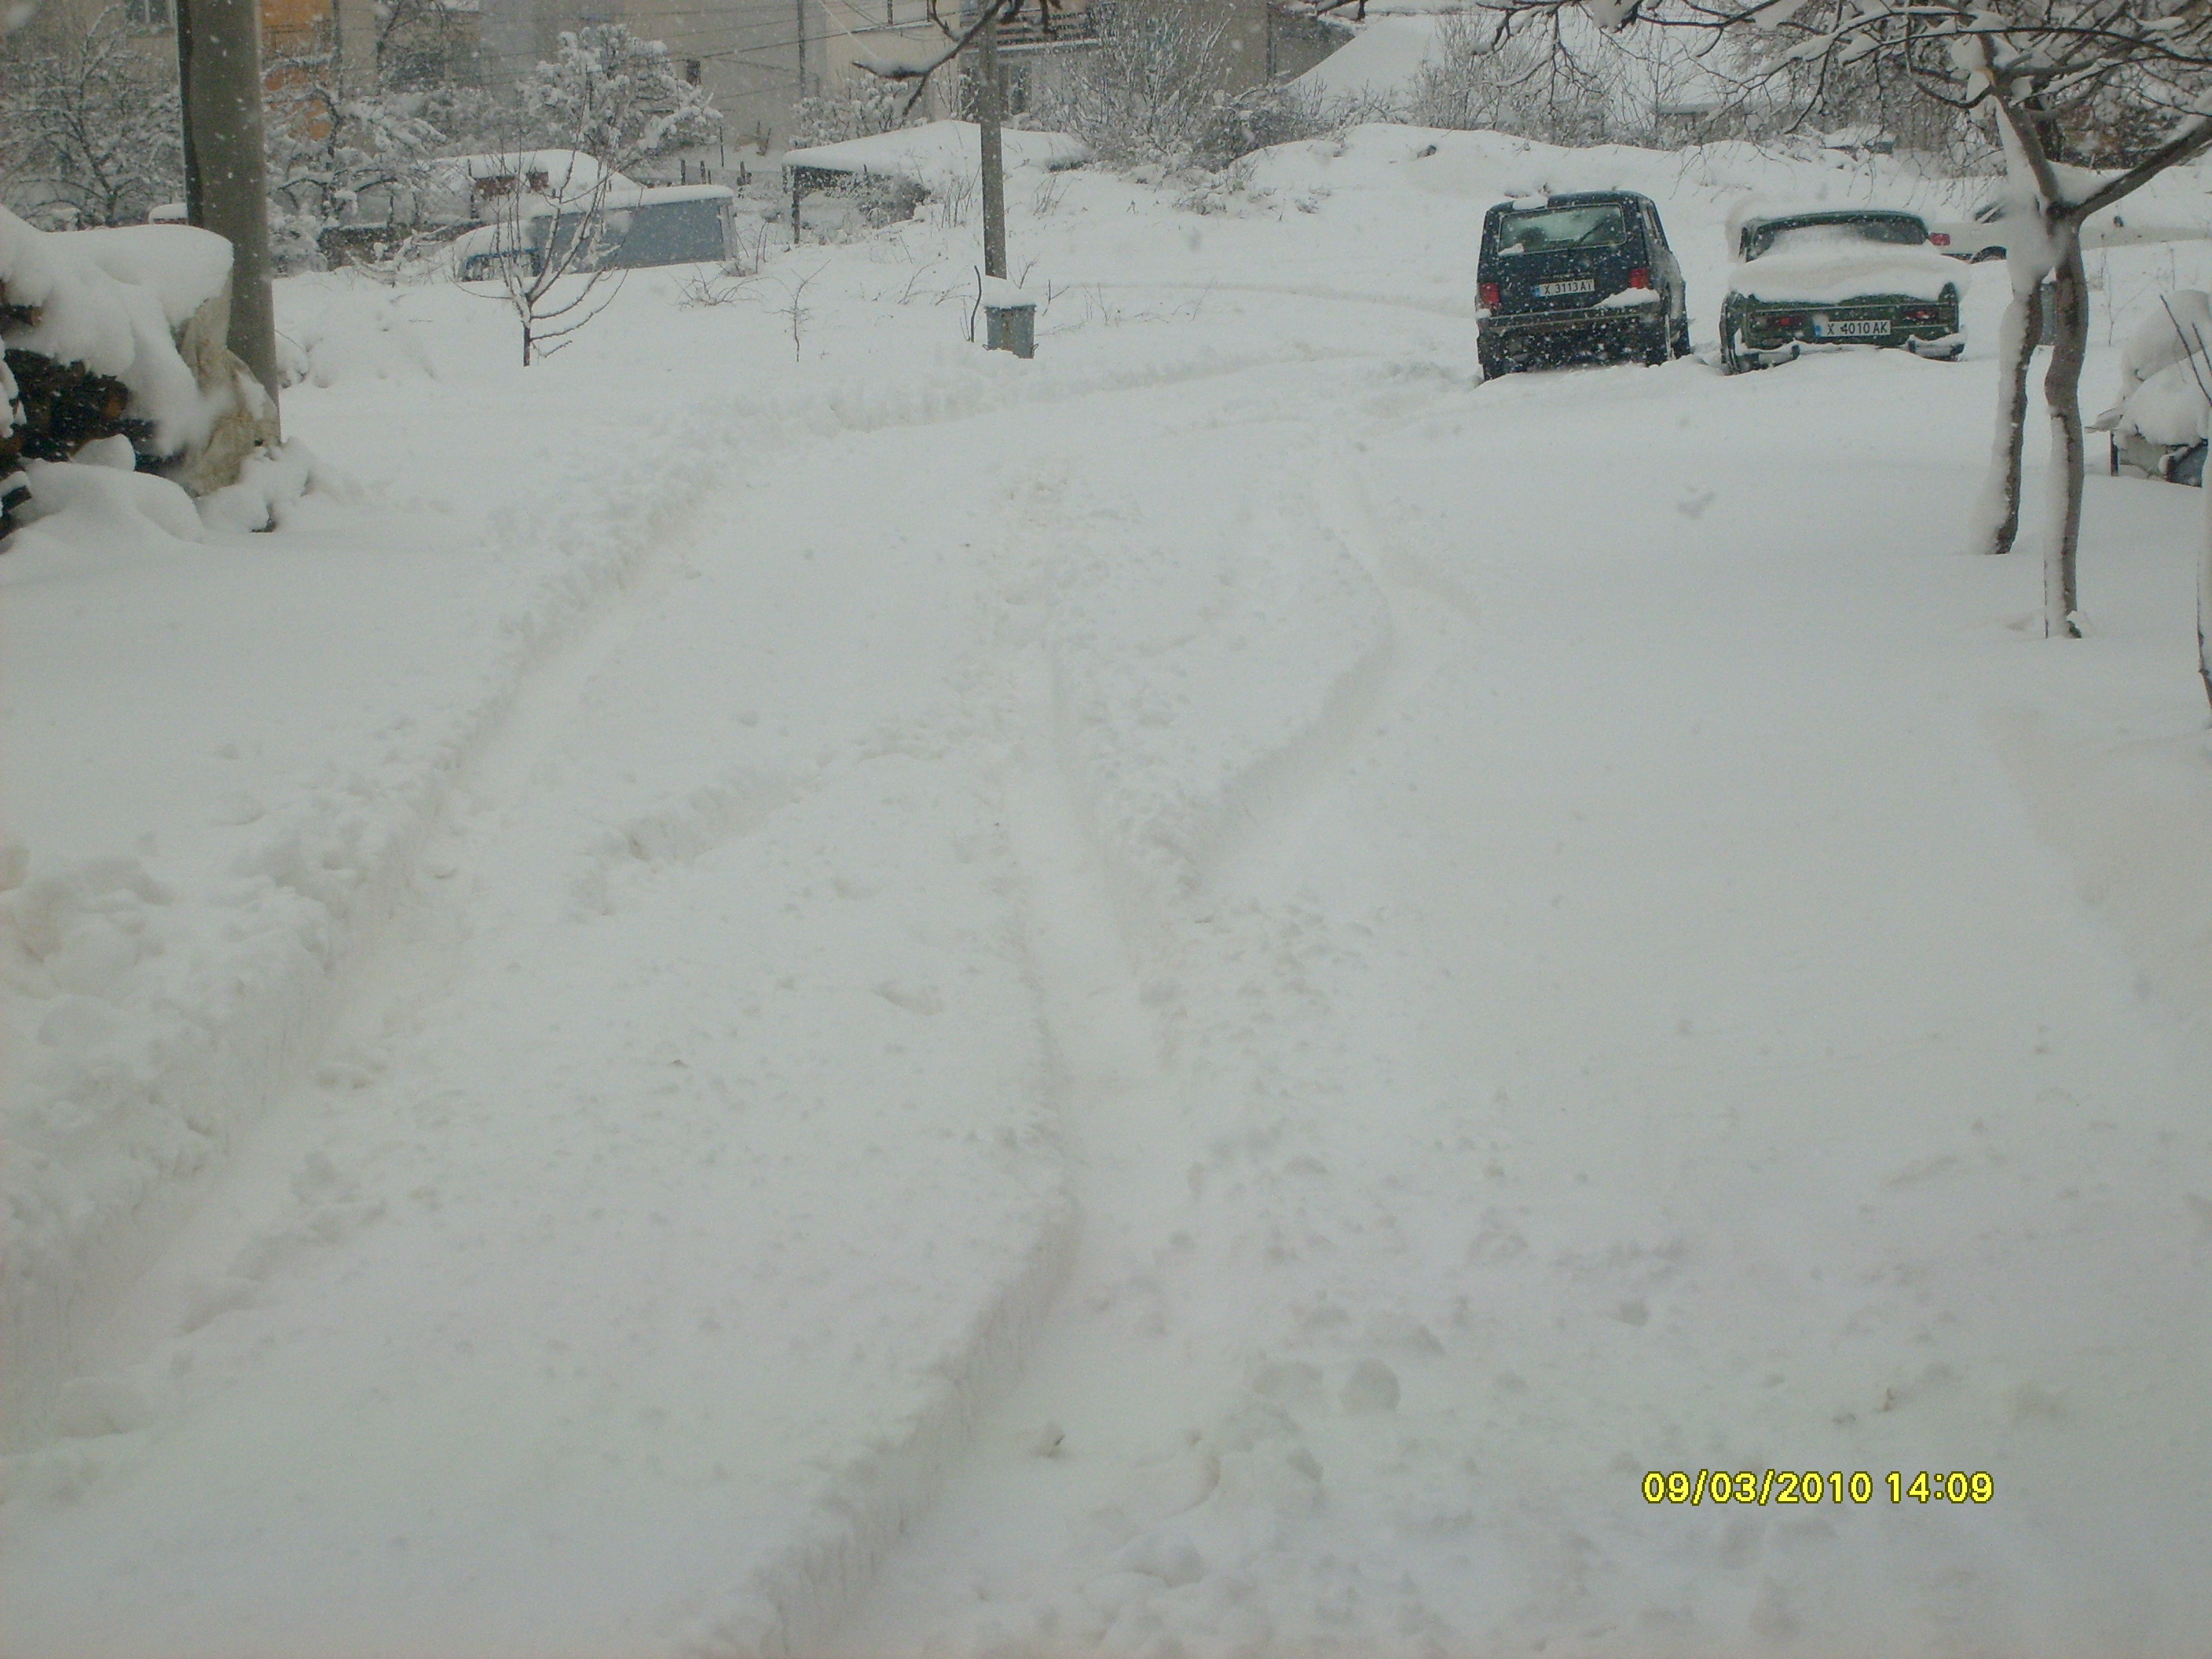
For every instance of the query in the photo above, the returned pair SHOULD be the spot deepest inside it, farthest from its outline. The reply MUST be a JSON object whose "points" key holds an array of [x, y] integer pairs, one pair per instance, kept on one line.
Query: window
{"points": [[692, 69], [1835, 235], [1601, 225], [146, 14]]}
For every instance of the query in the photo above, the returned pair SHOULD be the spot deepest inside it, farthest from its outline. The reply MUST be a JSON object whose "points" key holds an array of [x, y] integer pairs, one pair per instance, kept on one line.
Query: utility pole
{"points": [[225, 178], [988, 117]]}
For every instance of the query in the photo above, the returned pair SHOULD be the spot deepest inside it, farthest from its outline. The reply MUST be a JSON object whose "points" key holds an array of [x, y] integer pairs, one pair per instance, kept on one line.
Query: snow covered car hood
{"points": [[1832, 275]]}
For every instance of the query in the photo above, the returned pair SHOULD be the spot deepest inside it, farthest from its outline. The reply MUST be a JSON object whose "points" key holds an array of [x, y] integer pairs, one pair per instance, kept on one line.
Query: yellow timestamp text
{"points": [[1761, 1487]]}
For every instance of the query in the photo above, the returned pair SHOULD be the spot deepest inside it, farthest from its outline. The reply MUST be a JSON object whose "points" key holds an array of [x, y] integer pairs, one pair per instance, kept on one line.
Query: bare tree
{"points": [[87, 131], [1482, 74], [2044, 74], [533, 245]]}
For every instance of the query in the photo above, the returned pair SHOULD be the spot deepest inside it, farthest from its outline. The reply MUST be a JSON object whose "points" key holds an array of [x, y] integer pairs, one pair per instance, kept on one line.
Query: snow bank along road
{"points": [[1158, 1021]]}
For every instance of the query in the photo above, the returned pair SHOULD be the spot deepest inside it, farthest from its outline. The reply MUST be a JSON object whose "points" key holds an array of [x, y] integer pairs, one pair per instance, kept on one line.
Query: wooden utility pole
{"points": [[988, 117], [226, 179]]}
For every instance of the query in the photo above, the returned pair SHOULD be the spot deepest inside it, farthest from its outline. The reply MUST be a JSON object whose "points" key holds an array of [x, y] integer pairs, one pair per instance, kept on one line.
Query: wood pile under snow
{"points": [[121, 333]]}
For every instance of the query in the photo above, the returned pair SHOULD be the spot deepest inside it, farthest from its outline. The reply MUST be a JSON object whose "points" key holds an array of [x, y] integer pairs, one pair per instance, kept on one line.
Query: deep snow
{"points": [[782, 987]]}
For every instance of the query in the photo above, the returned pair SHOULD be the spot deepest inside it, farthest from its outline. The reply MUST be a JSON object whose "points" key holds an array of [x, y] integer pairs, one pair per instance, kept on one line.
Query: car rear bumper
{"points": [[1531, 332], [1760, 333]]}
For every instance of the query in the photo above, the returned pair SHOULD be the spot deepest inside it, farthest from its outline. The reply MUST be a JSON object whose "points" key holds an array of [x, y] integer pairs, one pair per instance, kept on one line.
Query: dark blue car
{"points": [[1578, 278]]}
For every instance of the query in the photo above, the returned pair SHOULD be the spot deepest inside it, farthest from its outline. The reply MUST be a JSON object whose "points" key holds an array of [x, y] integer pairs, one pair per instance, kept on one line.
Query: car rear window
{"points": [[1832, 234], [1602, 225]]}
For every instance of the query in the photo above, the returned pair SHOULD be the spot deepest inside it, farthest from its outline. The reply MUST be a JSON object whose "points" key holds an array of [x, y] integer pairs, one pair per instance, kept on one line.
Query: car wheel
{"points": [[1491, 363], [1732, 361], [1680, 343], [1986, 255]]}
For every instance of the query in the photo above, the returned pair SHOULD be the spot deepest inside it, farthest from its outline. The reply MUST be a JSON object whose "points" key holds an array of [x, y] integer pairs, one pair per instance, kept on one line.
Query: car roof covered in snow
{"points": [[1826, 216], [1574, 198]]}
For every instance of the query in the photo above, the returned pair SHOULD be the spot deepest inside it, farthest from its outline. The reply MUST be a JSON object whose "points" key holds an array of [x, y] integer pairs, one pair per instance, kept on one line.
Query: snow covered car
{"points": [[2158, 425], [1837, 276], [1984, 234], [1580, 276], [639, 225]]}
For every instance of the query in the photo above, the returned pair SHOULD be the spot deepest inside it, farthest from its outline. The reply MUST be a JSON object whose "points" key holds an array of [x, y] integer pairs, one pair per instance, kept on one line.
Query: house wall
{"points": [[289, 29]]}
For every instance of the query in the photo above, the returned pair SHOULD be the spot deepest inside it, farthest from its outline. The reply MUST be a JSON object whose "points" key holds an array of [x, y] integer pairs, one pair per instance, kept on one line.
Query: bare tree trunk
{"points": [[2062, 393], [989, 116], [2204, 603], [1996, 520], [226, 166]]}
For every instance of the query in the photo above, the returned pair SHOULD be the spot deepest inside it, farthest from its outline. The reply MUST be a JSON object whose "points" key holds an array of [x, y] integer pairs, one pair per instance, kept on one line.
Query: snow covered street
{"points": [[1192, 998]]}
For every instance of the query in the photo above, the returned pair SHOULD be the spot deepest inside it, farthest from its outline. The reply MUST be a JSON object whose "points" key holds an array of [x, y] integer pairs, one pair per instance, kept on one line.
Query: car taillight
{"points": [[1639, 277], [1786, 321], [1939, 238], [1490, 294], [1921, 314]]}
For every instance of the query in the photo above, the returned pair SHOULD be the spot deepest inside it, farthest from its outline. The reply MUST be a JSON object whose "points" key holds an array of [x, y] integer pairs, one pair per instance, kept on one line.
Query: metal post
{"points": [[987, 115], [226, 181]]}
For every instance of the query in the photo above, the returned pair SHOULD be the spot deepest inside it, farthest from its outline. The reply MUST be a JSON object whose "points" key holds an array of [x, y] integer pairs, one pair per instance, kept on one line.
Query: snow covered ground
{"points": [[780, 987]]}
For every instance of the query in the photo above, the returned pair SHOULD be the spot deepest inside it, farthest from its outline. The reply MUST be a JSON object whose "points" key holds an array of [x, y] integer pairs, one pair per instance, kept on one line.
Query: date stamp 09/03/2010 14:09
{"points": [[1815, 1487]]}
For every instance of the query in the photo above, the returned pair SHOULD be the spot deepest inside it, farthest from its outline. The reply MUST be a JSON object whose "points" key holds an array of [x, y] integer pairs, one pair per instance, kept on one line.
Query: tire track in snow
{"points": [[1465, 313], [499, 878], [615, 530], [1025, 1528], [1273, 802]]}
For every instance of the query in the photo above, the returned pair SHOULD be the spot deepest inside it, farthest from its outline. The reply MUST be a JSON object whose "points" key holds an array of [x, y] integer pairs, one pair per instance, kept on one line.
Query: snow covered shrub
{"points": [[1261, 116], [338, 162], [616, 98], [1480, 76], [89, 135], [1156, 92], [860, 108]]}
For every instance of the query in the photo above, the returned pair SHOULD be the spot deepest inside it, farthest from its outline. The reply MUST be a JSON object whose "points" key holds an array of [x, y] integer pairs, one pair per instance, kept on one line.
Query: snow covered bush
{"points": [[1156, 92], [89, 135], [335, 161], [860, 108], [617, 98], [1480, 77]]}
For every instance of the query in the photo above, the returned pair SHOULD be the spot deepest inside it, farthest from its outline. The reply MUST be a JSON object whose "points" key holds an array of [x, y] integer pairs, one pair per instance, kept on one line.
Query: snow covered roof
{"points": [[1382, 62], [937, 153]]}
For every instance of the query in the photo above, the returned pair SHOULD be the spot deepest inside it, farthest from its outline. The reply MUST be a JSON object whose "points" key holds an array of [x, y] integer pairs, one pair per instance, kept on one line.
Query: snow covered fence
{"points": [[120, 334]]}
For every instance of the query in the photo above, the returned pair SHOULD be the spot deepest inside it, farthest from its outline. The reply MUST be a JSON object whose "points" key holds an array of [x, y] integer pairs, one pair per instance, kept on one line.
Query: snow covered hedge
{"points": [[120, 334]]}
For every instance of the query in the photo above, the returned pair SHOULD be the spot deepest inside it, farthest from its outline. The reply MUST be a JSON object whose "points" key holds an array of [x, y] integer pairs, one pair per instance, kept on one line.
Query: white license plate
{"points": [[1850, 331], [1579, 285]]}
